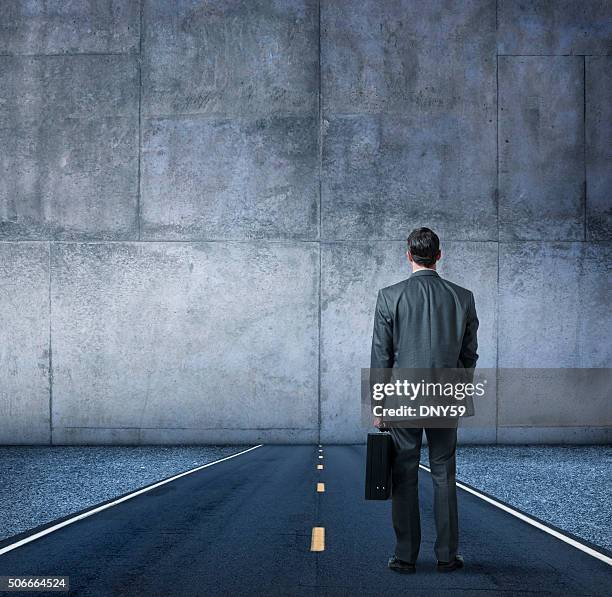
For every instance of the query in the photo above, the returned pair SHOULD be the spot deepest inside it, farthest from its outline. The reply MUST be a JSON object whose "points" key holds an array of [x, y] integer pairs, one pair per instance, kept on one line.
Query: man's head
{"points": [[423, 249]]}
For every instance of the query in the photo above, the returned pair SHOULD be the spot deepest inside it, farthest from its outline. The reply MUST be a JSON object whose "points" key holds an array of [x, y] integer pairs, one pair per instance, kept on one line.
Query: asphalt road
{"points": [[243, 527]]}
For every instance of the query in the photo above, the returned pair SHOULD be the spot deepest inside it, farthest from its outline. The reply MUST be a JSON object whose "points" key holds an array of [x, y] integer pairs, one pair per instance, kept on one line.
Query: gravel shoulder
{"points": [[569, 487], [43, 483]]}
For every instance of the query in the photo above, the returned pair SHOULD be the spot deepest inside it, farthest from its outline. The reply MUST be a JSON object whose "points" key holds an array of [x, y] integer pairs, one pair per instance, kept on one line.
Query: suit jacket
{"points": [[426, 323]]}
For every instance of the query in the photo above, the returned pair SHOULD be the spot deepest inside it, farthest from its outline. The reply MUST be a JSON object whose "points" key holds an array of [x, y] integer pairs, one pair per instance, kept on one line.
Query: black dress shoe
{"points": [[400, 566], [450, 566]]}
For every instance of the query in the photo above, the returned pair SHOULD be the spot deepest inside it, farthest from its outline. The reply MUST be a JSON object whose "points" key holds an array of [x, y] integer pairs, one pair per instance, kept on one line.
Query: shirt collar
{"points": [[425, 272]]}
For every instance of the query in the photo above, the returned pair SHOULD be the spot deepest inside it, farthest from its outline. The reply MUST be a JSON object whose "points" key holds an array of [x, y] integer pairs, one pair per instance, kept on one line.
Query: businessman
{"points": [[422, 322]]}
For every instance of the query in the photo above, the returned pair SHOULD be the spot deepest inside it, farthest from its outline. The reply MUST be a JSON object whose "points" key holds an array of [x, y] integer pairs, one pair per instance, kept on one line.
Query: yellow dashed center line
{"points": [[317, 542]]}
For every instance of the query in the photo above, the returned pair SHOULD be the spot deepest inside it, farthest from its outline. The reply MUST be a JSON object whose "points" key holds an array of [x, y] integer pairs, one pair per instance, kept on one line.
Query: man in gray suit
{"points": [[424, 322]]}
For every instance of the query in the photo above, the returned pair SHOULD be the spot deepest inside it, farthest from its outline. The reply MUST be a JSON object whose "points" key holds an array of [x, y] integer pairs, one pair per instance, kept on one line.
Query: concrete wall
{"points": [[200, 199]]}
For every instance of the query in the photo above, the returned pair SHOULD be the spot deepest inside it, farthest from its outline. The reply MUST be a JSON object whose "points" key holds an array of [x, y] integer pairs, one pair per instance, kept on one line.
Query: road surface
{"points": [[244, 527]]}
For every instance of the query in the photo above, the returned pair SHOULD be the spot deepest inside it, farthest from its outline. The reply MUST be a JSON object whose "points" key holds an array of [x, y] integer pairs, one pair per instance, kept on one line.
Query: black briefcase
{"points": [[378, 466]]}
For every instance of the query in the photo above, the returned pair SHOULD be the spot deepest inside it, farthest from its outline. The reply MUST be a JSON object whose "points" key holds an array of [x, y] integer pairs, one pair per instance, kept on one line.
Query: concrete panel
{"points": [[541, 148], [42, 27], [24, 343], [476, 435], [351, 274], [598, 115], [69, 128], [554, 27], [555, 397], [425, 58], [230, 57], [384, 175], [408, 98], [230, 179], [196, 341], [176, 436], [554, 309], [595, 322], [554, 435], [554, 313]]}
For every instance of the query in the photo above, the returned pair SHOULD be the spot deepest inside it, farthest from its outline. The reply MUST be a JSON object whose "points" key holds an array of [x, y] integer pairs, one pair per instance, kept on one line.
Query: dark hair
{"points": [[424, 246]]}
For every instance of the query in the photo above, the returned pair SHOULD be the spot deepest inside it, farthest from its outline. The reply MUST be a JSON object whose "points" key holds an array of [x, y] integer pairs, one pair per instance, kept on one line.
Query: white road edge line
{"points": [[585, 548], [64, 523]]}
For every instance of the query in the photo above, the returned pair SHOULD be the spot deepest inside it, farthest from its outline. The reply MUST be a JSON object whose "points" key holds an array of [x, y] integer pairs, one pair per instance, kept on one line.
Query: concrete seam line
{"points": [[124, 498], [539, 525]]}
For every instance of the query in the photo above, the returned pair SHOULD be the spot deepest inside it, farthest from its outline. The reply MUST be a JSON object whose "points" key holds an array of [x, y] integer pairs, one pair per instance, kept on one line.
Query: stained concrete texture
{"points": [[554, 435], [554, 313], [350, 278], [385, 174], [554, 305], [69, 129], [554, 27], [541, 148], [87, 26], [598, 115], [554, 398], [424, 57], [230, 58], [408, 98], [24, 343], [259, 182], [252, 70], [271, 129], [157, 342]]}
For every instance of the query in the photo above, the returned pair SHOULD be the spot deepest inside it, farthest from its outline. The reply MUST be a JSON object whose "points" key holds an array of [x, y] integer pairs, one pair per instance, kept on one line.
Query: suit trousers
{"points": [[405, 491]]}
